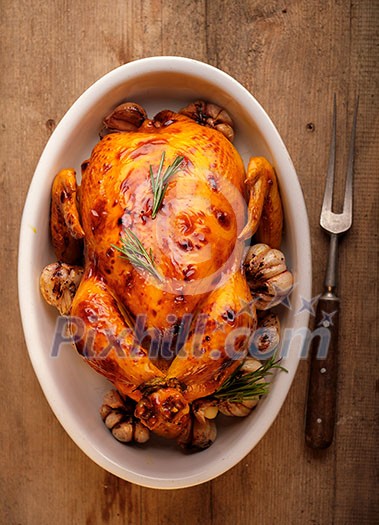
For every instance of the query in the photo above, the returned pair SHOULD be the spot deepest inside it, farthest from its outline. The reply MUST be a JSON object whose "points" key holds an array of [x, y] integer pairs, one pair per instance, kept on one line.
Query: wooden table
{"points": [[292, 55]]}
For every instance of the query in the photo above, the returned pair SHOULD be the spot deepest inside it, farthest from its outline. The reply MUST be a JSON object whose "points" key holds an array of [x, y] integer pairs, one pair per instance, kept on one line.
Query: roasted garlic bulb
{"points": [[267, 275], [117, 415], [58, 285], [267, 336], [211, 115]]}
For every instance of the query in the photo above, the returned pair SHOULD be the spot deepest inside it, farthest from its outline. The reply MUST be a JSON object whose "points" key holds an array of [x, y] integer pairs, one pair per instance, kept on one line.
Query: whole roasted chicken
{"points": [[153, 270]]}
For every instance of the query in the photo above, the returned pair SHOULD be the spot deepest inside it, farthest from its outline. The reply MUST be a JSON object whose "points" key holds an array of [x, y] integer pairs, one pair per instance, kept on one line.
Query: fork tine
{"points": [[348, 199], [328, 193]]}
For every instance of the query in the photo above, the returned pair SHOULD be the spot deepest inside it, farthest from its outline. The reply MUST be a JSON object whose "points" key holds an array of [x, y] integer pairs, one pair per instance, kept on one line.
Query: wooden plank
{"points": [[356, 437], [292, 56]]}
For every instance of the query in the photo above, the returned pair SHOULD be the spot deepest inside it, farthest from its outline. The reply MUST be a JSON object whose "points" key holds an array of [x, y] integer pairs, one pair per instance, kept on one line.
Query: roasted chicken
{"points": [[164, 306]]}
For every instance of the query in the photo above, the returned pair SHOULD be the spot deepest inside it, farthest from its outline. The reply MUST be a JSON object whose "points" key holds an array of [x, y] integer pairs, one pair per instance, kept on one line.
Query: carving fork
{"points": [[322, 387]]}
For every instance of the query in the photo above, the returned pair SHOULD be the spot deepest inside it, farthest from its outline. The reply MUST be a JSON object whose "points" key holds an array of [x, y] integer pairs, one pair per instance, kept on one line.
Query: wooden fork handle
{"points": [[322, 387]]}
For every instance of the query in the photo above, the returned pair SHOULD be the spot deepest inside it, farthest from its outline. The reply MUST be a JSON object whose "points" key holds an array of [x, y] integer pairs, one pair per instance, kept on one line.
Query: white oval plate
{"points": [[72, 389]]}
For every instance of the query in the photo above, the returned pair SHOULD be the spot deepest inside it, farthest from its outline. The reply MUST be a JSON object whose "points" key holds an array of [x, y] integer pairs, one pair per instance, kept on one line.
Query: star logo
{"points": [[327, 319], [308, 306], [281, 298], [285, 301], [246, 307]]}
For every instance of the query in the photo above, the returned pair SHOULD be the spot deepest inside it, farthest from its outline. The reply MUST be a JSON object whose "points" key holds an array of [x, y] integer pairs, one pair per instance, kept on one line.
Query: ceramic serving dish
{"points": [[73, 390]]}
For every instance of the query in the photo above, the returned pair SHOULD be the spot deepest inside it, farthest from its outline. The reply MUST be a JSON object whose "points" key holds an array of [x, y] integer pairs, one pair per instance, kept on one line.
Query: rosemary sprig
{"points": [[160, 180], [239, 386], [132, 249]]}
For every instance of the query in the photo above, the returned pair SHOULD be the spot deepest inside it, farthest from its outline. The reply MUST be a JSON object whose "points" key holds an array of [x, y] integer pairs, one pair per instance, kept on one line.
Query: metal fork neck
{"points": [[331, 269]]}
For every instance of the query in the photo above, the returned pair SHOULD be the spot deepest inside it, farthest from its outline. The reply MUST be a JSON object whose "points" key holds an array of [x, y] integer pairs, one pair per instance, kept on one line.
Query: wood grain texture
{"points": [[292, 55]]}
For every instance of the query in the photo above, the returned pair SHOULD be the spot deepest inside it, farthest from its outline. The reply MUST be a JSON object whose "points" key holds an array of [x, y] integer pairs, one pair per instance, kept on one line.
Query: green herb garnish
{"points": [[160, 180], [239, 386], [133, 249]]}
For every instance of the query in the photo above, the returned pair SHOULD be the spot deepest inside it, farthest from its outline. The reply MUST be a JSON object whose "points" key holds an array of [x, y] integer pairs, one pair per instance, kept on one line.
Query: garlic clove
{"points": [[226, 130], [113, 418], [203, 434], [123, 432], [242, 409], [141, 433], [105, 410], [211, 412], [250, 365], [113, 399], [205, 409]]}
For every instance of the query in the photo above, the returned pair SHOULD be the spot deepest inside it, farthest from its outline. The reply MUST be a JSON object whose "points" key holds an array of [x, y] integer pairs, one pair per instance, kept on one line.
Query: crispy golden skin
{"points": [[107, 343], [265, 216], [66, 230], [209, 357], [194, 241], [195, 230]]}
